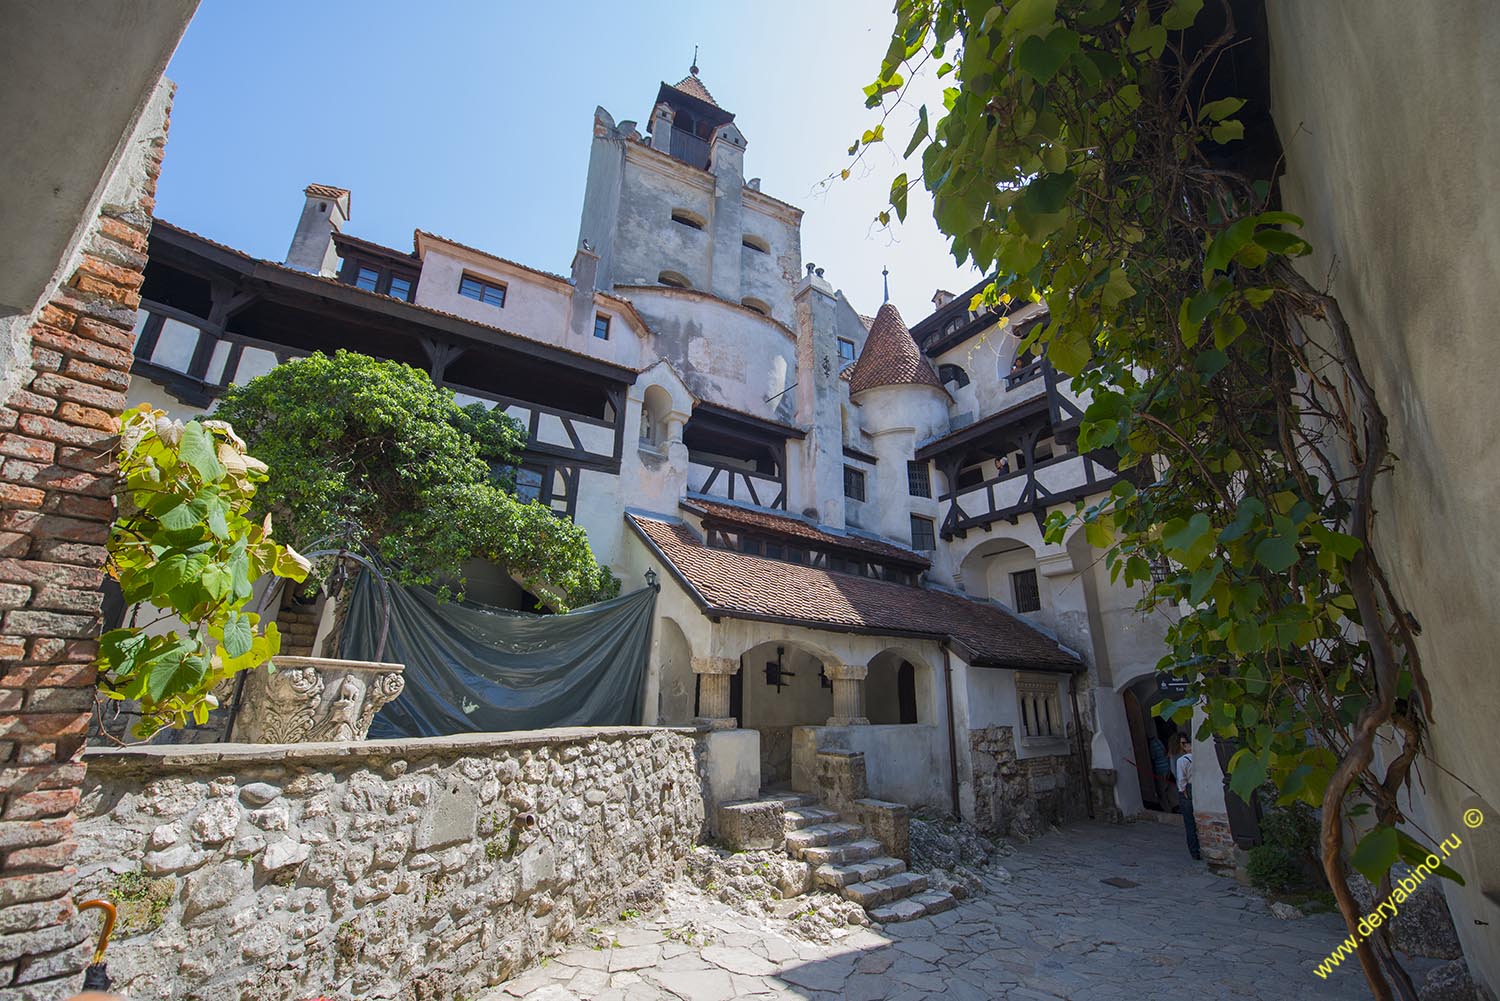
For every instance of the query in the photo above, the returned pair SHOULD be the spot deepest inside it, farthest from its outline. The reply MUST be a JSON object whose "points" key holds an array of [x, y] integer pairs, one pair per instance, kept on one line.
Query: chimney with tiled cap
{"points": [[323, 214]]}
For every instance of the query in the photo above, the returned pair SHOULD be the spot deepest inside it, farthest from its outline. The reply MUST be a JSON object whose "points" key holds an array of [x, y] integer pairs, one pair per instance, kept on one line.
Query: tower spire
{"points": [[693, 69], [885, 277]]}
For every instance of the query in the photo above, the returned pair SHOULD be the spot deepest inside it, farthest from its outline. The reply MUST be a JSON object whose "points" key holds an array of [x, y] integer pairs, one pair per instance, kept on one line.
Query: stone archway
{"points": [[677, 684], [804, 697]]}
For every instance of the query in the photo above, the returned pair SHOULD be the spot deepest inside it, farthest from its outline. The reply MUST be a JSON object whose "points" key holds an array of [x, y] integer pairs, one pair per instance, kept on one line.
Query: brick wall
{"points": [[1215, 839], [56, 504]]}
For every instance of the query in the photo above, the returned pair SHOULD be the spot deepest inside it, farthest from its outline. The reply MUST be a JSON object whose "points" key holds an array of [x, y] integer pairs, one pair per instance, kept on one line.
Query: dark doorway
{"points": [[906, 692]]}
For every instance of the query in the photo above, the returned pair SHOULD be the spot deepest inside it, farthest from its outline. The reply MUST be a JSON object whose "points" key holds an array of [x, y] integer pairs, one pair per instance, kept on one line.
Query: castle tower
{"points": [[902, 402], [674, 209]]}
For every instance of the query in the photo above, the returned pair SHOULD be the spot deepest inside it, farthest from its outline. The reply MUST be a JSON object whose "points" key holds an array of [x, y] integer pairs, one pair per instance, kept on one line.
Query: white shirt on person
{"points": [[1184, 772]]}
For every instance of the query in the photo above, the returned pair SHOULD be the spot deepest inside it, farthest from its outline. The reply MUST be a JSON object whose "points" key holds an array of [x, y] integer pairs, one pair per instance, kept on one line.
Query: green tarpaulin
{"points": [[471, 668]]}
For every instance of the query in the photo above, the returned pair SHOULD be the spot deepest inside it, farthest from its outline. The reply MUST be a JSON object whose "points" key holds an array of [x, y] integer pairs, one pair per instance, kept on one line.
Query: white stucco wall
{"points": [[1395, 171]]}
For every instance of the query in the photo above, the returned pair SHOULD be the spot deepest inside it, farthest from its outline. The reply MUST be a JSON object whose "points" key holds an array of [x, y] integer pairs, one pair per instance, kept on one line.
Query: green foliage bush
{"points": [[1273, 870], [184, 544], [426, 483], [1293, 829]]}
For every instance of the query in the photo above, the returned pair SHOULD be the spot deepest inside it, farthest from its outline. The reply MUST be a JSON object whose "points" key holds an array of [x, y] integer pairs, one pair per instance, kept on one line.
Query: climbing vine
{"points": [[1087, 154]]}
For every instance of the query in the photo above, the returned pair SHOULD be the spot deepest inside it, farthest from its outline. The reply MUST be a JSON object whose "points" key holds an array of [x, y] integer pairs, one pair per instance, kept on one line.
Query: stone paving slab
{"points": [[1053, 931]]}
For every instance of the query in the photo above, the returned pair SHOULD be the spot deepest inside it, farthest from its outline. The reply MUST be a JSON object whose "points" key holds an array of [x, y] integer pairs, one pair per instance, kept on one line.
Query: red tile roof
{"points": [[734, 585], [693, 87], [890, 356], [786, 526]]}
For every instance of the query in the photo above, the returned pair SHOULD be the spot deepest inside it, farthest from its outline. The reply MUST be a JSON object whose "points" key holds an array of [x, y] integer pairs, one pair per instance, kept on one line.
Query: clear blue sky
{"points": [[473, 119]]}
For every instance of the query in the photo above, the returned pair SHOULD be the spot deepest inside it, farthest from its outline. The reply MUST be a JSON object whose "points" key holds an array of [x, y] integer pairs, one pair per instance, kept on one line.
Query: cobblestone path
{"points": [[1054, 930]]}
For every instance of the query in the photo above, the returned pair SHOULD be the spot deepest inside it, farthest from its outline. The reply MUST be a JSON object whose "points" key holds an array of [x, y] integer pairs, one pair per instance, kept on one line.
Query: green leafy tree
{"points": [[184, 543], [1077, 158], [371, 452]]}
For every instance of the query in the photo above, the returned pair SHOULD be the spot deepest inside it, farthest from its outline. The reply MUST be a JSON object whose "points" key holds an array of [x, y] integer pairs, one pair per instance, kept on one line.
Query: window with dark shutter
{"points": [[1023, 586], [918, 479], [923, 534], [854, 483]]}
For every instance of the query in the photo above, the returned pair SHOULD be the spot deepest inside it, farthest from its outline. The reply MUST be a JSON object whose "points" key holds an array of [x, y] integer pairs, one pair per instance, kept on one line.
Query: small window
{"points": [[918, 479], [672, 279], [482, 291], [529, 483], [854, 483], [923, 534], [953, 373], [757, 305], [952, 325], [1023, 588], [846, 350], [601, 327], [367, 279], [756, 244], [400, 288], [687, 219], [970, 477]]}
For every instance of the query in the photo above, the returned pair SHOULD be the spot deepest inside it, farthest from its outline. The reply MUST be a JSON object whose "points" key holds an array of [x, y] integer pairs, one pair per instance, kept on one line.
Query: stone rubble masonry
{"points": [[1022, 796], [56, 505], [417, 869]]}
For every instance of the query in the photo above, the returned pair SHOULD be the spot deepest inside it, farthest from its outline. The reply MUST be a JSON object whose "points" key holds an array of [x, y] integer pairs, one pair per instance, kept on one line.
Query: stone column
{"points": [[848, 694], [713, 690]]}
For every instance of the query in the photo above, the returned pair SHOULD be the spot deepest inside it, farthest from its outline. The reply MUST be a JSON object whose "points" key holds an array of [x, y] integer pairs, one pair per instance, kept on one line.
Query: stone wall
{"points": [[56, 505], [417, 869], [1022, 797]]}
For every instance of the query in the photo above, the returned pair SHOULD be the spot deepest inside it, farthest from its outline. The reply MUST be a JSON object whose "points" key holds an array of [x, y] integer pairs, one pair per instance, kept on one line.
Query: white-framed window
{"points": [[1041, 707]]}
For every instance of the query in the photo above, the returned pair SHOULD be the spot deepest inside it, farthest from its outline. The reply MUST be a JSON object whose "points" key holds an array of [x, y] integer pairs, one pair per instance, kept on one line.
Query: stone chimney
{"points": [[941, 298], [585, 281], [324, 214]]}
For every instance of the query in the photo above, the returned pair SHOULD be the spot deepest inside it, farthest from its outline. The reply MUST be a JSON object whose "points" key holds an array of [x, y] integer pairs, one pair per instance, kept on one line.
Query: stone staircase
{"points": [[845, 857]]}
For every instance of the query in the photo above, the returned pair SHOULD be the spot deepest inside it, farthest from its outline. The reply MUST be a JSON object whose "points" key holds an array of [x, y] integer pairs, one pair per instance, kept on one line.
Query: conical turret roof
{"points": [[890, 356]]}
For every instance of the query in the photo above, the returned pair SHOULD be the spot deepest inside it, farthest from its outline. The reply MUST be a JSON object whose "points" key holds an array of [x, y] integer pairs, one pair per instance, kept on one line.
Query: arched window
{"points": [[654, 408], [953, 373], [756, 304], [691, 220], [755, 243], [672, 279]]}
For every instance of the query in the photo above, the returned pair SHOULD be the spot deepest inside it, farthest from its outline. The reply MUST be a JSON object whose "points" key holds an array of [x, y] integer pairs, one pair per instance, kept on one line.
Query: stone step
{"points": [[823, 834], [913, 907], [798, 817], [836, 876], [752, 824], [936, 901], [880, 892], [790, 800], [836, 854]]}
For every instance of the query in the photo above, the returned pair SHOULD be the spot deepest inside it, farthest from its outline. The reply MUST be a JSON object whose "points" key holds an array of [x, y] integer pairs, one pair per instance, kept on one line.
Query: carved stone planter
{"points": [[314, 699]]}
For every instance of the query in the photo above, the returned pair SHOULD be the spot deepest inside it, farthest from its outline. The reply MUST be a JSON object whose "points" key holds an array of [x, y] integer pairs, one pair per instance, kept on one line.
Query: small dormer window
{"points": [[756, 244], [672, 279], [757, 305], [846, 351], [689, 219], [367, 279]]}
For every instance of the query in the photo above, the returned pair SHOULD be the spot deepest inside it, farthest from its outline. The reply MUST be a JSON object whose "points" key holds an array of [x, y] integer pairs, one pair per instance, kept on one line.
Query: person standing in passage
{"points": [[1161, 772], [1185, 791]]}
